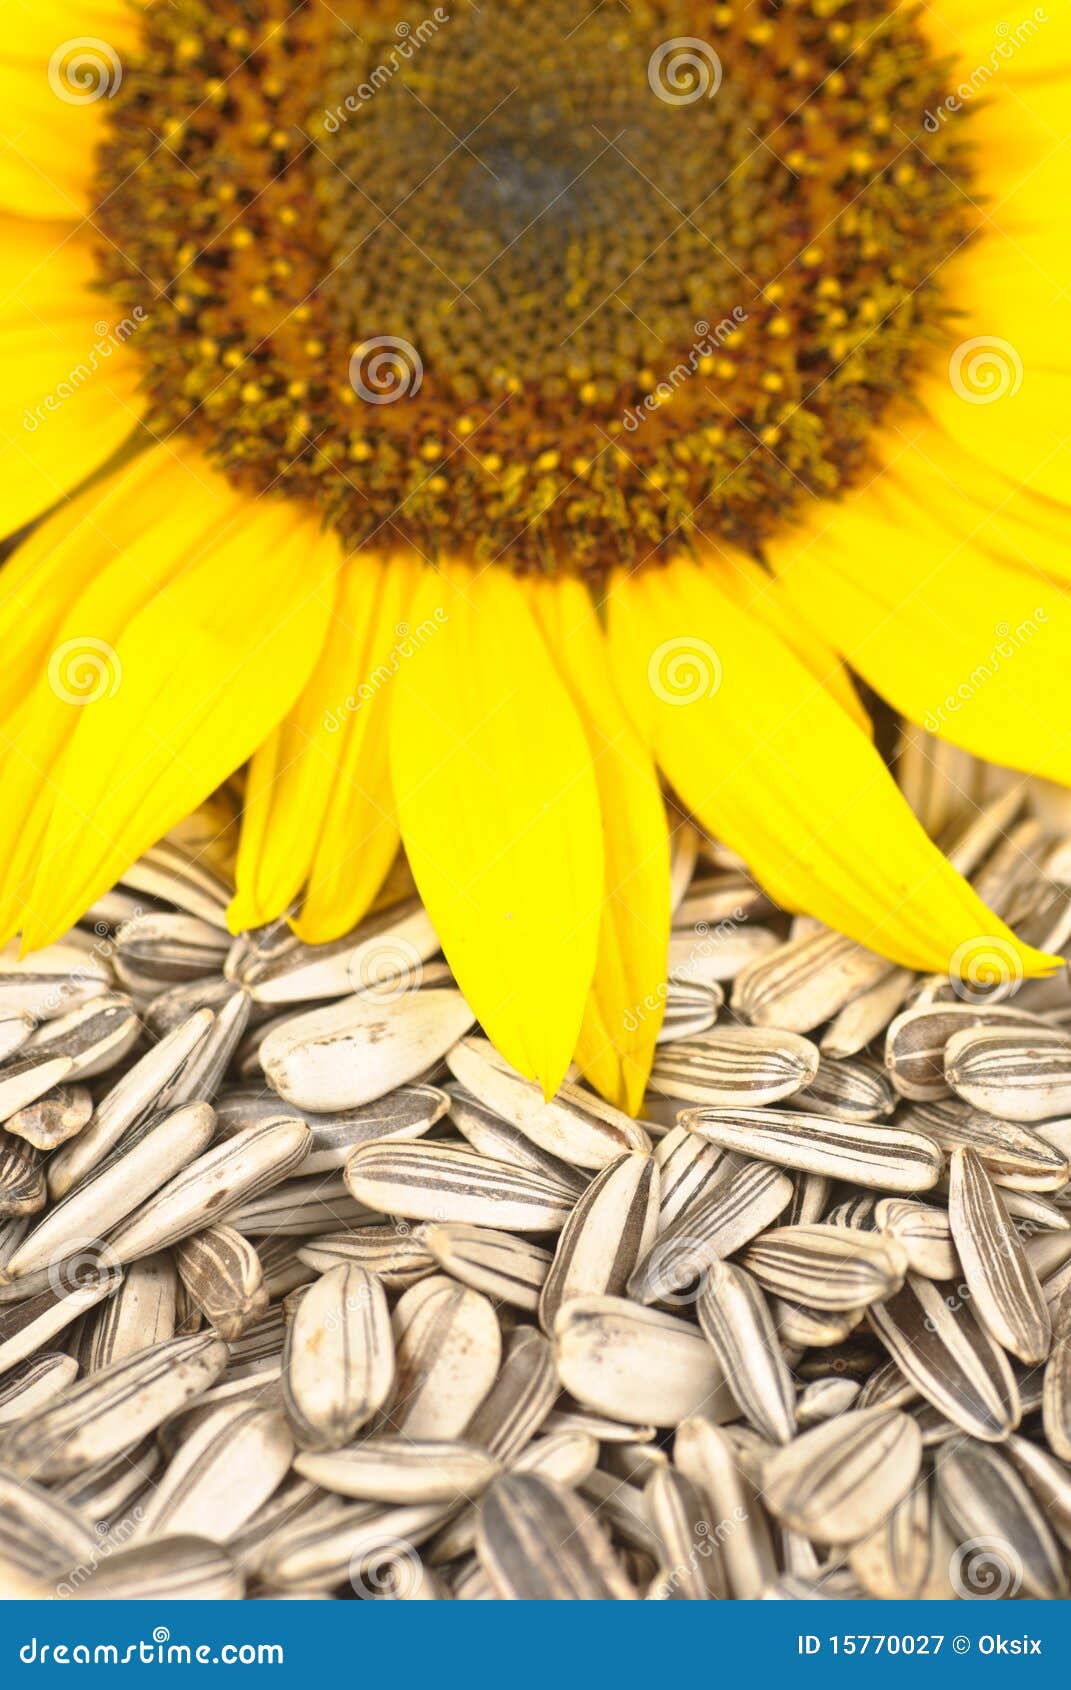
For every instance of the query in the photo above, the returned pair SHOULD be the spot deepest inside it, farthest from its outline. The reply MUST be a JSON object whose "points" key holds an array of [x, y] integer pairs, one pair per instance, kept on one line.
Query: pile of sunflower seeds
{"points": [[304, 1292]]}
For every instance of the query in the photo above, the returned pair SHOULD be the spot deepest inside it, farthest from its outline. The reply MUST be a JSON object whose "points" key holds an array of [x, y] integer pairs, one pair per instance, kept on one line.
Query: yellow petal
{"points": [[61, 63], [627, 999], [500, 814], [200, 673], [972, 648], [769, 763], [319, 815], [69, 396]]}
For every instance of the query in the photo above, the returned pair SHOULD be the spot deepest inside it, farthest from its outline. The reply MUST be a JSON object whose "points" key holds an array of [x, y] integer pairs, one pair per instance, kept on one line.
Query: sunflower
{"points": [[481, 426]]}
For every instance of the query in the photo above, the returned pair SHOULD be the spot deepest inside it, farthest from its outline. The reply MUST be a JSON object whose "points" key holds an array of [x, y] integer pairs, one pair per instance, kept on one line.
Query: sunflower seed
{"points": [[629, 1362], [1018, 1075], [29, 1077], [93, 1037], [740, 1330], [576, 1126], [345, 1541], [690, 1010], [688, 1169], [113, 1409], [448, 1347], [155, 948], [492, 1137], [38, 1532], [126, 1104], [22, 1177], [823, 1398], [1015, 1157], [36, 1382], [447, 1182], [15, 1028], [690, 1562], [359, 1049], [865, 1017], [140, 1313], [520, 1399], [397, 1255], [705, 1455], [924, 1232], [202, 1072], [510, 1270], [916, 1041], [810, 1198], [805, 982], [1048, 1481], [611, 1227], [223, 1275], [407, 1113], [1056, 1395], [983, 1497], [731, 1214], [222, 1473], [53, 1119], [210, 1185], [907, 1556], [829, 1267], [155, 1154], [338, 1363], [390, 945], [889, 1158], [739, 1065], [299, 1208], [840, 1480], [941, 1348], [538, 1542], [27, 1326], [393, 1469], [803, 1328], [175, 1569], [103, 1493], [1008, 1299], [48, 983]]}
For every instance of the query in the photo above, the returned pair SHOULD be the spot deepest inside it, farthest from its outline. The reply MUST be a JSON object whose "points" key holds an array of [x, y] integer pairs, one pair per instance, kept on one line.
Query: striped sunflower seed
{"points": [[402, 1470], [520, 1399], [915, 1042], [576, 1126], [888, 1158], [506, 1269], [36, 1382], [338, 1364], [951, 1361], [140, 1313], [448, 1182], [848, 1091], [625, 1361], [704, 1454], [448, 1346], [1006, 1294], [924, 1233], [828, 1267], [806, 982], [720, 1223], [223, 1275], [982, 1497], [737, 1324], [840, 1480], [177, 1569], [361, 1048], [688, 1169], [22, 1177], [394, 1252], [906, 1558], [28, 1325], [748, 1066], [1018, 1075], [610, 1228], [1016, 1157], [538, 1542], [493, 1137], [691, 1565], [220, 1475]]}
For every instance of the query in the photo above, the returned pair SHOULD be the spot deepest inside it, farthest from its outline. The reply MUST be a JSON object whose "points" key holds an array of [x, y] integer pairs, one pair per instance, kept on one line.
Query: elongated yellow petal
{"points": [[69, 396], [970, 647], [769, 763], [201, 672], [500, 814], [626, 1002], [319, 814], [61, 63]]}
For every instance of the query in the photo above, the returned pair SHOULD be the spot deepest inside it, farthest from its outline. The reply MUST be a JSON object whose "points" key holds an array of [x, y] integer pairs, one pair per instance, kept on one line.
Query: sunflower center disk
{"points": [[510, 283]]}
